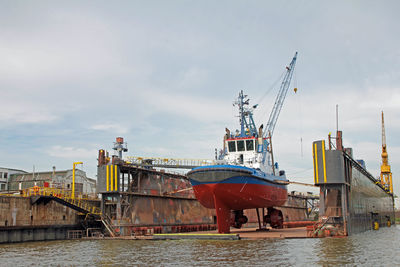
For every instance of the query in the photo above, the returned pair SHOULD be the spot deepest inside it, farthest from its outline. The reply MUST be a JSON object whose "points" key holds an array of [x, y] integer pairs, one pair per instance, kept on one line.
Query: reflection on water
{"points": [[373, 248]]}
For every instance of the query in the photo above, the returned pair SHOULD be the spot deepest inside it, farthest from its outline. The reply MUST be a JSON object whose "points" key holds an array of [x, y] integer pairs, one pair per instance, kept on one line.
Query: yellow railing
{"points": [[63, 194]]}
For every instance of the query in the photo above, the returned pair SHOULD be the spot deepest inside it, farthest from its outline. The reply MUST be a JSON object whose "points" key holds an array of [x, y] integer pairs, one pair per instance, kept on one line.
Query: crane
{"points": [[273, 117], [386, 174]]}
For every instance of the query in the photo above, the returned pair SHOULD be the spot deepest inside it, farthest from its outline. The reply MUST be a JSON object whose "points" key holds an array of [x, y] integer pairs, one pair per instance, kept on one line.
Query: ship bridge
{"points": [[241, 144], [247, 151]]}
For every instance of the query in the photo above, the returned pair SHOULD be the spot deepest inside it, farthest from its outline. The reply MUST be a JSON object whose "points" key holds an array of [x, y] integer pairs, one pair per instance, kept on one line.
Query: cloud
{"points": [[198, 108], [71, 152], [165, 77], [13, 112], [110, 127]]}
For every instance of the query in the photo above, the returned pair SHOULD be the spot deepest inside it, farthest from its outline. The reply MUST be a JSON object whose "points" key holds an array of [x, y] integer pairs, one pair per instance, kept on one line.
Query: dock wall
{"points": [[36, 233], [351, 199], [22, 221]]}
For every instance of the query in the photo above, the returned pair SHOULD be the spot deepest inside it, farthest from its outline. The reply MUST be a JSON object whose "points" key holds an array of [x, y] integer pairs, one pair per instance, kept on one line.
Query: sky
{"points": [[74, 75]]}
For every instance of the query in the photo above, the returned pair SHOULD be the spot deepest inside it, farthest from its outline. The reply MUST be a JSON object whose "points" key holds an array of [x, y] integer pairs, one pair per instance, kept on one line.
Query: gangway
{"points": [[64, 197]]}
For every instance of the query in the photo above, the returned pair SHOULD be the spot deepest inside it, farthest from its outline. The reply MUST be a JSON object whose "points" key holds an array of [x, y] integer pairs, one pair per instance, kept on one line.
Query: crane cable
{"points": [[271, 87], [299, 112], [264, 111]]}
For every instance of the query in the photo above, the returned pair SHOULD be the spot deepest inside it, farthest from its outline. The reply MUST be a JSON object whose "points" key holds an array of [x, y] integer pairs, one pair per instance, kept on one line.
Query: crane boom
{"points": [[383, 132], [273, 117], [386, 174]]}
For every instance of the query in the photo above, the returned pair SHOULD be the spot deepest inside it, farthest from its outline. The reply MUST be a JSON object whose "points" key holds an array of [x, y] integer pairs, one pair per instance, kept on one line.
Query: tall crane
{"points": [[386, 174], [273, 117]]}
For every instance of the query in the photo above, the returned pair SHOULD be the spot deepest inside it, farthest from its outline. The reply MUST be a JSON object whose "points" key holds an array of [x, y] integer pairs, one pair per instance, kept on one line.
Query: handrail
{"points": [[169, 162]]}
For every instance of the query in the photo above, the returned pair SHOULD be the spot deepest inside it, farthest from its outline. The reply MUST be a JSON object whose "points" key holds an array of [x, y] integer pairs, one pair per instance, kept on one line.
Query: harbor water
{"points": [[371, 248]]}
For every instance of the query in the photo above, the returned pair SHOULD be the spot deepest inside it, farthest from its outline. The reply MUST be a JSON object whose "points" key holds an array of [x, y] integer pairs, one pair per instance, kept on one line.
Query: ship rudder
{"points": [[223, 216]]}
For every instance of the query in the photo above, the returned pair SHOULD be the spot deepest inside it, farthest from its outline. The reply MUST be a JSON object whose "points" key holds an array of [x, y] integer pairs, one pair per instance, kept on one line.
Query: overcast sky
{"points": [[163, 74]]}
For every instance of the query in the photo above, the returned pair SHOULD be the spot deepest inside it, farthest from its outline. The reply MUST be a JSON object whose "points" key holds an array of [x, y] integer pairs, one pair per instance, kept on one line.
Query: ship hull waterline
{"points": [[238, 192]]}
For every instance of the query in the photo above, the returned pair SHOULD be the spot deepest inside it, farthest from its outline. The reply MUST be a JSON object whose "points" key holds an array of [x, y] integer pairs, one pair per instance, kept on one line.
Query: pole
{"points": [[73, 178], [272, 153], [337, 117], [258, 217]]}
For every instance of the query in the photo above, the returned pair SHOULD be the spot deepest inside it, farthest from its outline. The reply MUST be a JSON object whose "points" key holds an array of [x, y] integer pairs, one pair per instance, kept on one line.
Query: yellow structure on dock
{"points": [[386, 174]]}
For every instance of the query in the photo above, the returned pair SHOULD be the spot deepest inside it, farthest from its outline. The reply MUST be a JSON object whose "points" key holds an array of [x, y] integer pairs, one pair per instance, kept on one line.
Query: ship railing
{"points": [[173, 162]]}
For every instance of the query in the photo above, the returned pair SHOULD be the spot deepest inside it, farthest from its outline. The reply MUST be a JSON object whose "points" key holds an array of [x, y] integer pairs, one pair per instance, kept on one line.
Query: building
{"points": [[5, 173], [54, 179]]}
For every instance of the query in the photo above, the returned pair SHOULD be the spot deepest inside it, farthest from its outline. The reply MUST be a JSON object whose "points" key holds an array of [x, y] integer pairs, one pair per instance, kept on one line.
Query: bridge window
{"points": [[240, 145], [250, 145], [232, 146]]}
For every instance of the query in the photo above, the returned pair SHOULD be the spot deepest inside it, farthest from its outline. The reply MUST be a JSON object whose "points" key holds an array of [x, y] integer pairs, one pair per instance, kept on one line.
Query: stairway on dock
{"points": [[64, 197]]}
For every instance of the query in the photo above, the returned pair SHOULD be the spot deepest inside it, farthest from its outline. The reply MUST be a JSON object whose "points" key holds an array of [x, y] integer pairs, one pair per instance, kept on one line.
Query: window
{"points": [[5, 175], [250, 145], [240, 145], [232, 146]]}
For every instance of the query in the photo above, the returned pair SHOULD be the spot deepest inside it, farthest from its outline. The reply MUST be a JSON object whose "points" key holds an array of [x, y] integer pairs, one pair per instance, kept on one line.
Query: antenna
{"points": [[337, 117], [120, 146]]}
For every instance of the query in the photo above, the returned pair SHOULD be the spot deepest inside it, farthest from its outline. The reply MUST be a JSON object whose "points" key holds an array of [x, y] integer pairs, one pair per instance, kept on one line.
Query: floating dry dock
{"points": [[137, 199], [351, 199]]}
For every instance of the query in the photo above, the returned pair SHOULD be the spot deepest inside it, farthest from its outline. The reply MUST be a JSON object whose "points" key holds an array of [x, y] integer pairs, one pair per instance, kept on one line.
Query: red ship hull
{"points": [[224, 198], [240, 196], [228, 188]]}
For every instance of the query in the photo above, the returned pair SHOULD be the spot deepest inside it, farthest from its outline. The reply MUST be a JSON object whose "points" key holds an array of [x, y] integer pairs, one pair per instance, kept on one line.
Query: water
{"points": [[372, 248]]}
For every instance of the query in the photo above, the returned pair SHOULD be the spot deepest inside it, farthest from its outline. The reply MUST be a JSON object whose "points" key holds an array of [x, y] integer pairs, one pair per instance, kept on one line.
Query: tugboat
{"points": [[245, 176]]}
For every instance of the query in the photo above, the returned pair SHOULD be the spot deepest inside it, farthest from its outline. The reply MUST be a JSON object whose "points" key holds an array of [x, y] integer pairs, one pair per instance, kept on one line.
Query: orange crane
{"points": [[386, 174]]}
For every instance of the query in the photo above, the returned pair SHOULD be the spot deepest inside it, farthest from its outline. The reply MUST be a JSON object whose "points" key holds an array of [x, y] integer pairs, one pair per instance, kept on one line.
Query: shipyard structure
{"points": [[351, 199], [135, 198], [139, 197]]}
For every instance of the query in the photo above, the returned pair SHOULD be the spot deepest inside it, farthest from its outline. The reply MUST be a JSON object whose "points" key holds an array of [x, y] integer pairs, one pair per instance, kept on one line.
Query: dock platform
{"points": [[236, 234], [246, 233], [285, 233]]}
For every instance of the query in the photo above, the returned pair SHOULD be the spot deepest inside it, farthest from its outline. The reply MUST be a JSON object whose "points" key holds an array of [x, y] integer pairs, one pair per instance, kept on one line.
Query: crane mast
{"points": [[386, 174], [273, 117]]}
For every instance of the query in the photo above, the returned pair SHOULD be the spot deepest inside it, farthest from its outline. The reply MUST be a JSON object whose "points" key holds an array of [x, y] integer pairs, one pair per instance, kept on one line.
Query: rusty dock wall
{"points": [[20, 220], [135, 198]]}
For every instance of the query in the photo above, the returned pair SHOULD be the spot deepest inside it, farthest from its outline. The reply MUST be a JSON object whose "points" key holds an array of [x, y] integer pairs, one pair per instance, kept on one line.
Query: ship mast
{"points": [[246, 116]]}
